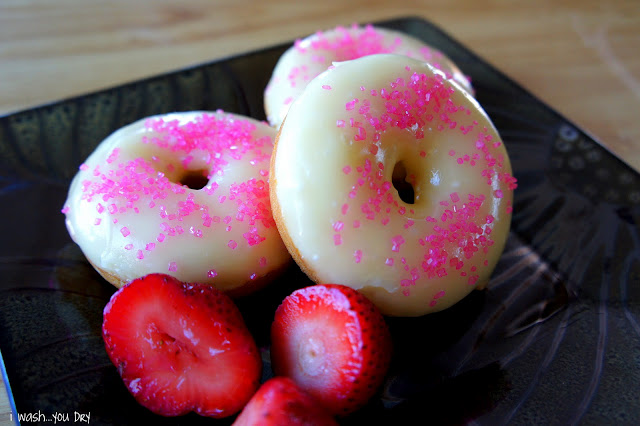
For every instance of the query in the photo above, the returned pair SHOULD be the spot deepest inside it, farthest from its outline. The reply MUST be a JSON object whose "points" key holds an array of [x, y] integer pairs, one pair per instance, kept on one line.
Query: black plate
{"points": [[554, 340]]}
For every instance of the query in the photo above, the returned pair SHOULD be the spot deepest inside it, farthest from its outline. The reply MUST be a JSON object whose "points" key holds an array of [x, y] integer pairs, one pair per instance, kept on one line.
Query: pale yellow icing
{"points": [[341, 216], [207, 235], [314, 54]]}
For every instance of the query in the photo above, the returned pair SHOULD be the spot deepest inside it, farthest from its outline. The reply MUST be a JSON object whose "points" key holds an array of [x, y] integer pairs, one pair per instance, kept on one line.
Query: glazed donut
{"points": [[314, 54], [391, 179], [185, 194]]}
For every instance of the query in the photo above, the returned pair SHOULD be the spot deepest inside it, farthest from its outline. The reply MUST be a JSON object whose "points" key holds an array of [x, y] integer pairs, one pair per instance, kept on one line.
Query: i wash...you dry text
{"points": [[53, 418]]}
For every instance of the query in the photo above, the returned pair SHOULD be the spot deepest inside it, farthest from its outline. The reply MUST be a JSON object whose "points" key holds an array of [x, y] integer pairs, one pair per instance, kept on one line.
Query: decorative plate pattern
{"points": [[555, 339]]}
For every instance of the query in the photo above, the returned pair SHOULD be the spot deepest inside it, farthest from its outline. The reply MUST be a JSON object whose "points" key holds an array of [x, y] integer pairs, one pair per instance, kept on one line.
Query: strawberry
{"points": [[334, 343], [181, 347], [279, 401]]}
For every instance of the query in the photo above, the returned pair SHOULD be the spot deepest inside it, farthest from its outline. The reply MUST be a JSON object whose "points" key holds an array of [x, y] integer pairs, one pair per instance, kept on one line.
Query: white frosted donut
{"points": [[312, 55], [185, 194], [336, 200]]}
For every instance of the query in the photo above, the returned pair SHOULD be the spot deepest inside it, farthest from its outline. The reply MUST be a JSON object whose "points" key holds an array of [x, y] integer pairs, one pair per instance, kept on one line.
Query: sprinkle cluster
{"points": [[343, 44], [138, 186], [461, 232]]}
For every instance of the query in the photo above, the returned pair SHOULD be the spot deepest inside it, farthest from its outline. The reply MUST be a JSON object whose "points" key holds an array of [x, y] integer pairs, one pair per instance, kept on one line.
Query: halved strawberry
{"points": [[181, 347], [279, 401], [334, 343]]}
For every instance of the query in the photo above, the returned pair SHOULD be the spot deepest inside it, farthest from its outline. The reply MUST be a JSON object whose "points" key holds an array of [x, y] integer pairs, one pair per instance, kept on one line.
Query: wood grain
{"points": [[579, 56]]}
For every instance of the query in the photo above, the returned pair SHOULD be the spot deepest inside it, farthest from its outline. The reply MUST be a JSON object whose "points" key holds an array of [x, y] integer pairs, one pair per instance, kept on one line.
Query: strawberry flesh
{"points": [[279, 401], [334, 343], [181, 347]]}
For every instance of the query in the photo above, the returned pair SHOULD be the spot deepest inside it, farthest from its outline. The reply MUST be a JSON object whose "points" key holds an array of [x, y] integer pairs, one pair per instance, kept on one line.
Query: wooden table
{"points": [[579, 56]]}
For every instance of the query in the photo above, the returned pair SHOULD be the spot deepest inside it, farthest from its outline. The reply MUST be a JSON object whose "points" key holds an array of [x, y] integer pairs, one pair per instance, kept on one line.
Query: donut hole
{"points": [[194, 179], [402, 184]]}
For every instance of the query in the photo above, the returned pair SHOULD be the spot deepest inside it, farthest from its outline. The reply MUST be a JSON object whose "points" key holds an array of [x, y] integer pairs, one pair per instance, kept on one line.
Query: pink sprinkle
{"points": [[389, 261], [338, 226], [65, 210], [460, 161], [452, 153], [140, 255], [454, 197], [160, 237], [498, 193], [263, 261], [97, 221], [288, 100], [345, 208], [125, 231], [357, 255], [439, 294], [128, 246], [326, 87], [490, 218], [113, 156], [509, 210], [232, 244], [356, 223], [100, 208], [396, 241], [340, 123], [84, 167], [113, 209], [346, 170], [337, 239], [173, 267], [212, 273]]}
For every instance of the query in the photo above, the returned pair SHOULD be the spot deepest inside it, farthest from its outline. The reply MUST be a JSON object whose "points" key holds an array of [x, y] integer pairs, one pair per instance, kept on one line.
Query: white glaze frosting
{"points": [[131, 215], [337, 208], [312, 55]]}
